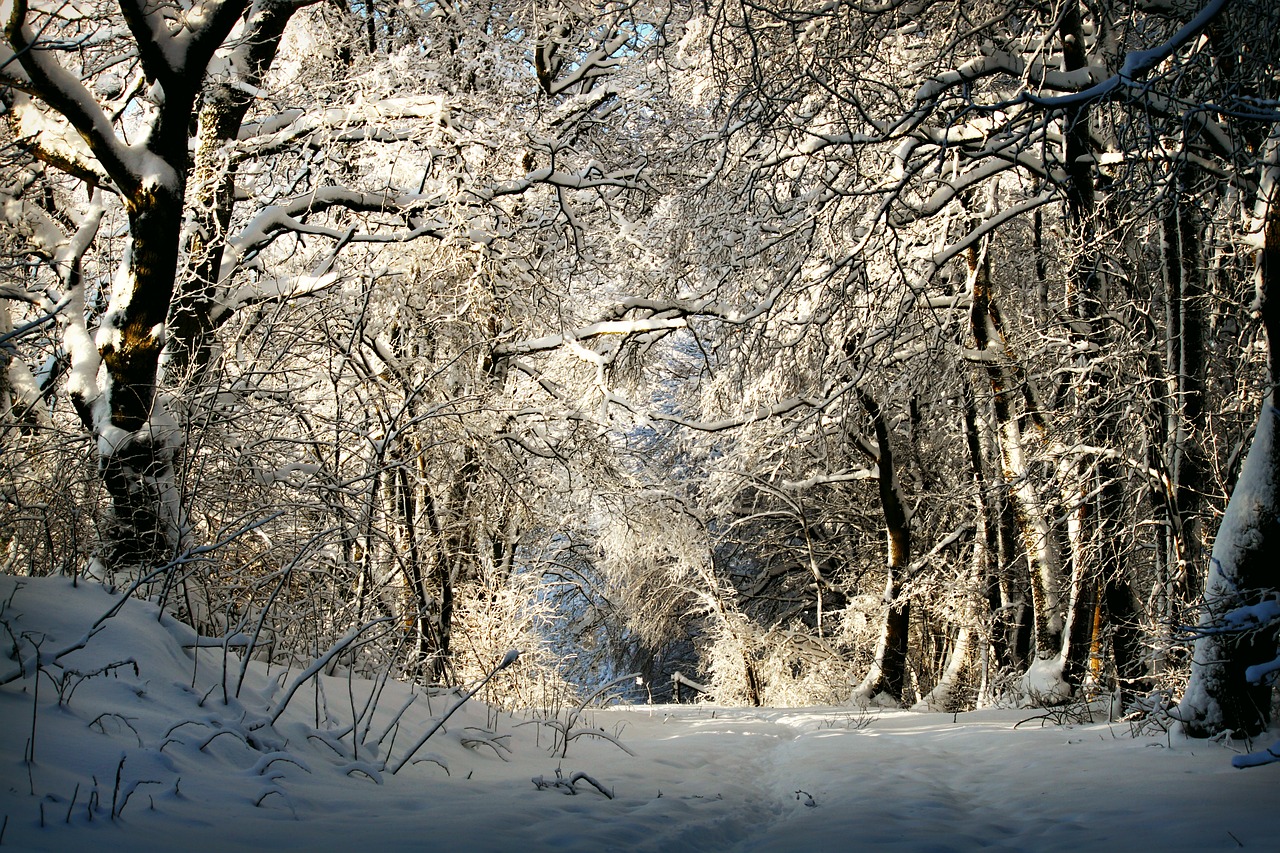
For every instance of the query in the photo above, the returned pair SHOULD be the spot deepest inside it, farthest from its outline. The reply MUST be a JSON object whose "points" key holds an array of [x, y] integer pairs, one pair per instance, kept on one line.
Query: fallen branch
{"points": [[1256, 759], [567, 785]]}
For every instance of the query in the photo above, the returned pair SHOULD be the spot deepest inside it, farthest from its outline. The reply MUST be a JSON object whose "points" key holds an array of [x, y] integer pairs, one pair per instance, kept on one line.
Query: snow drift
{"points": [[131, 735]]}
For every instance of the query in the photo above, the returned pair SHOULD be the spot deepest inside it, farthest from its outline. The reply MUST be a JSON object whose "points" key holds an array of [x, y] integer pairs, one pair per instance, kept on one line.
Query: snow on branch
{"points": [[941, 545], [174, 48], [151, 30], [830, 479], [592, 330], [37, 228], [1270, 755], [321, 662], [762, 413], [270, 135], [567, 785], [990, 224], [989, 167], [67, 96], [277, 219], [274, 220], [664, 315], [49, 137], [1057, 90], [592, 177], [1137, 63], [1001, 62]]}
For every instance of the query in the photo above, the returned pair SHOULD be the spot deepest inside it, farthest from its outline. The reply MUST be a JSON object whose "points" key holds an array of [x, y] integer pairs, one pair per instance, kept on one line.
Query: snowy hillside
{"points": [[134, 740]]}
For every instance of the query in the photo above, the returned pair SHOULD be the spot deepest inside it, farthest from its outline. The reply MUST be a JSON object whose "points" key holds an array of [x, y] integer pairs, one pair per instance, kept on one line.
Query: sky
{"points": [[128, 743]]}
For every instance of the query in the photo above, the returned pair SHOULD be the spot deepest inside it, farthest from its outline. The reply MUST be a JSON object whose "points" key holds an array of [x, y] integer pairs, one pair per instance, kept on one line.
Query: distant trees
{"points": [[1064, 144]]}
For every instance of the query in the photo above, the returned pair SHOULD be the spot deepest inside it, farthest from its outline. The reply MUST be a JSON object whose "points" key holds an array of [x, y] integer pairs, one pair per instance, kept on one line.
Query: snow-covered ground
{"points": [[157, 760]]}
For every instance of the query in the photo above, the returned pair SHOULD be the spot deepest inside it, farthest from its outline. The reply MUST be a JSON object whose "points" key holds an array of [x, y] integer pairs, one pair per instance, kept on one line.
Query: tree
{"points": [[114, 367], [406, 406], [1232, 666], [396, 288]]}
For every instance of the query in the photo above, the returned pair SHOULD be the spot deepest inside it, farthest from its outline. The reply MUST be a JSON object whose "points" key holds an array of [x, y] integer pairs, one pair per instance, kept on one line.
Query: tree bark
{"points": [[1043, 560], [1187, 467], [889, 668], [1095, 500], [1223, 695], [115, 377], [223, 107]]}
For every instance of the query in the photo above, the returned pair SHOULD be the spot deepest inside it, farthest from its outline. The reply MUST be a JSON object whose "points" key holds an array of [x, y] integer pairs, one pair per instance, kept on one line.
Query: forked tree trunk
{"points": [[1043, 560], [114, 375]]}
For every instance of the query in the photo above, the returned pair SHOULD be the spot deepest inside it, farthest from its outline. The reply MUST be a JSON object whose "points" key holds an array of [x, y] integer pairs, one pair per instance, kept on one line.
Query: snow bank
{"points": [[132, 738]]}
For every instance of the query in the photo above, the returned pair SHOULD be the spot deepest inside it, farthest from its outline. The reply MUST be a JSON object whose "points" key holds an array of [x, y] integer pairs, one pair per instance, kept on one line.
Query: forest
{"points": [[911, 353]]}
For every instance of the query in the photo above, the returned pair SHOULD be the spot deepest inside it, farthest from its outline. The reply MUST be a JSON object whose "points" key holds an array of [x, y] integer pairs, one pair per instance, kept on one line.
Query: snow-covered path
{"points": [[933, 782], [156, 761]]}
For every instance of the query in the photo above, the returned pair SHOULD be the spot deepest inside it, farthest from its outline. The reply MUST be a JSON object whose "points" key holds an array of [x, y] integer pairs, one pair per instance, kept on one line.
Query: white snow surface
{"points": [[199, 774]]}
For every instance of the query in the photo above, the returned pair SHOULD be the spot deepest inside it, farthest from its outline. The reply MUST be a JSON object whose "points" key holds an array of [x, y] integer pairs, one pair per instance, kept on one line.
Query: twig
{"points": [[221, 732], [267, 760], [603, 735], [97, 721], [285, 574], [258, 802], [583, 777], [396, 719], [577, 712], [365, 769], [509, 659], [132, 788], [319, 663], [115, 793]]}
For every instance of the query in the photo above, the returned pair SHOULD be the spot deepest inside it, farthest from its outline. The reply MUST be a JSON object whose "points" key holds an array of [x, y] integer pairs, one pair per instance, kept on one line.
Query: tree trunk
{"points": [[889, 667], [943, 697], [1187, 467], [117, 406], [114, 375], [1095, 500], [1043, 560], [223, 108], [1221, 696], [1124, 614]]}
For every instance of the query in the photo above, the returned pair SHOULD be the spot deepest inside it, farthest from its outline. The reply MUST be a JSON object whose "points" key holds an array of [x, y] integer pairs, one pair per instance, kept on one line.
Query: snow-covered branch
{"points": [[1136, 65], [65, 94]]}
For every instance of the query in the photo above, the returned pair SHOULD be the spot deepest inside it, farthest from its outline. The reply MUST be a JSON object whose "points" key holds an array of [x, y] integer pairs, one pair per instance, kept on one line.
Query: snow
{"points": [[145, 740], [30, 222], [1044, 678]]}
